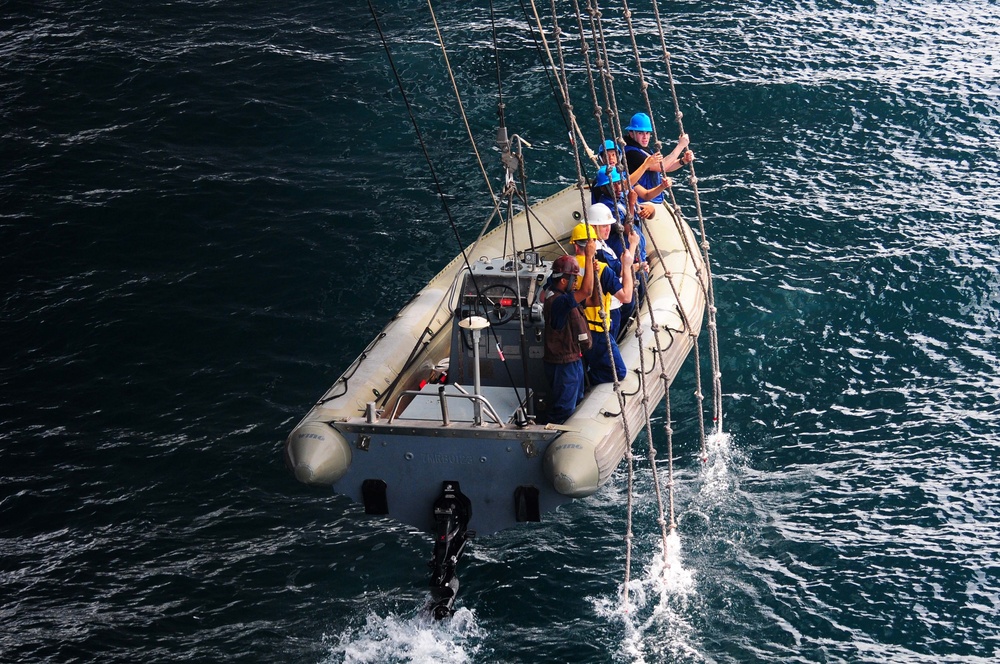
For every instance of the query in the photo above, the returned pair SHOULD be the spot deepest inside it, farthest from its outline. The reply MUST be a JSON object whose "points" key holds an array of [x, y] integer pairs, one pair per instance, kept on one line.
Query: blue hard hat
{"points": [[608, 145], [603, 178], [640, 122]]}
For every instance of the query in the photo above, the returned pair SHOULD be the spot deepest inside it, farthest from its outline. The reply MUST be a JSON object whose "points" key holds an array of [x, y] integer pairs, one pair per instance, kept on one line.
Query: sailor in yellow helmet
{"points": [[597, 308]]}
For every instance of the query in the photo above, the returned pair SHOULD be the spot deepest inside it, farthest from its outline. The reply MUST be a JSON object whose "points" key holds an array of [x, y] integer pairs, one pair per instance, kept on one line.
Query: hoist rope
{"points": [[564, 91], [548, 72], [649, 424], [611, 100], [434, 177], [713, 333], [604, 66], [420, 342], [643, 86], [705, 282], [458, 98], [576, 132], [710, 299], [604, 314], [585, 52], [496, 60]]}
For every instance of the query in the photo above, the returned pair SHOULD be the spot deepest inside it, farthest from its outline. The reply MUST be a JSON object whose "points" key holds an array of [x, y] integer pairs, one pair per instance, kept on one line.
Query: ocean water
{"points": [[208, 209]]}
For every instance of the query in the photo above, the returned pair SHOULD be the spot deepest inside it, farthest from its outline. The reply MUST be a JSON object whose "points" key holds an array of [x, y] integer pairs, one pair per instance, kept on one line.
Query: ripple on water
{"points": [[196, 199]]}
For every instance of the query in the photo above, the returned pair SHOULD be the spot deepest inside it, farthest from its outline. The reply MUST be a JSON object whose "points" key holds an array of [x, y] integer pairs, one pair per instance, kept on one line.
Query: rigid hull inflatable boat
{"points": [[465, 455]]}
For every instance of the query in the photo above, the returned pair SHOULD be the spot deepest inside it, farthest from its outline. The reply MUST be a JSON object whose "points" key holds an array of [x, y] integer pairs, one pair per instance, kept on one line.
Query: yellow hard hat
{"points": [[582, 232]]}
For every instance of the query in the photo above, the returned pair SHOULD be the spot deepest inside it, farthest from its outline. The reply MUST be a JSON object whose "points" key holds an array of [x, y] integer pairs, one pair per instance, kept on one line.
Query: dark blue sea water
{"points": [[207, 209]]}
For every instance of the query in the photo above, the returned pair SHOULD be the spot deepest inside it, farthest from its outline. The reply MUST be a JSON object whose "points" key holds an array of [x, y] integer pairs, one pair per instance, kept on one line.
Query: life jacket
{"points": [[608, 256], [594, 303], [580, 329], [565, 345], [649, 179]]}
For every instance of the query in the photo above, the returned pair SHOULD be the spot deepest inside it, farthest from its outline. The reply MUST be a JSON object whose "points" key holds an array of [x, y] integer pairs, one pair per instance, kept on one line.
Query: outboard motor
{"points": [[452, 511]]}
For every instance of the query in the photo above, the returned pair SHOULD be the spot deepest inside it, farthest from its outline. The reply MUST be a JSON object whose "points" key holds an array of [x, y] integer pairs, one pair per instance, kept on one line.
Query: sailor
{"points": [[603, 366], [611, 155], [608, 190], [599, 216], [652, 184], [566, 332]]}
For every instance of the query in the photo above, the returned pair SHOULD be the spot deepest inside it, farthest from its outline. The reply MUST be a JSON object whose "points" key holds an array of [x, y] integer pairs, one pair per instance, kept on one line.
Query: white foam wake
{"points": [[655, 616], [399, 639]]}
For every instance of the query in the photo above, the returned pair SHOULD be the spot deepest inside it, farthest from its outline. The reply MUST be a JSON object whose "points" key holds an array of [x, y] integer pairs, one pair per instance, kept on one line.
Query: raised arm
{"points": [[625, 294], [587, 286]]}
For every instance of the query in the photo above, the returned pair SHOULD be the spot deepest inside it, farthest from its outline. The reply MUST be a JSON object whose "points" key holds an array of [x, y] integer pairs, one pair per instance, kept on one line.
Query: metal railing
{"points": [[443, 395]]}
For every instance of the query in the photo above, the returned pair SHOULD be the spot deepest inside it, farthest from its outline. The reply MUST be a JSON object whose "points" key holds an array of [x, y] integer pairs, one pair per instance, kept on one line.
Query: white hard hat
{"points": [[598, 214]]}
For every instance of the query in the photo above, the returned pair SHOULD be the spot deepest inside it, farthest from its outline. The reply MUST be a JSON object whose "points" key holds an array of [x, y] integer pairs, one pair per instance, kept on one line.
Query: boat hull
{"points": [[405, 440]]}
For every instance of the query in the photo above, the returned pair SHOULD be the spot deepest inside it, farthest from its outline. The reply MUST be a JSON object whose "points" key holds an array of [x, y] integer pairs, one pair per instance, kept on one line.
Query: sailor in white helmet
{"points": [[602, 220]]}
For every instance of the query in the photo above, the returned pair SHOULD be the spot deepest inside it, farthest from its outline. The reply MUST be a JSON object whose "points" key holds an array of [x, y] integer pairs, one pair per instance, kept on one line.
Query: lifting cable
{"points": [[657, 147], [713, 333], [437, 183], [608, 89], [562, 78], [575, 131], [605, 322], [458, 98], [705, 281]]}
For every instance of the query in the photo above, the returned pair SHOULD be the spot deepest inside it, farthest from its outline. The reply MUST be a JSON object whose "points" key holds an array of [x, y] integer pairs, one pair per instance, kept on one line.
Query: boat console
{"points": [[506, 293]]}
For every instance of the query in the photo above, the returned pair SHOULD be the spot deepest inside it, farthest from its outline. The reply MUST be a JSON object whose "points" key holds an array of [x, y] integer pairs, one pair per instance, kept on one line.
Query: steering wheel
{"points": [[499, 303]]}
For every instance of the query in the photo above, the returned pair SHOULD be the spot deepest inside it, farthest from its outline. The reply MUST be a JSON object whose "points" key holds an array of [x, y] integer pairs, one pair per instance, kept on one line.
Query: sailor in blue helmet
{"points": [[652, 183], [611, 155], [609, 190], [566, 332]]}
